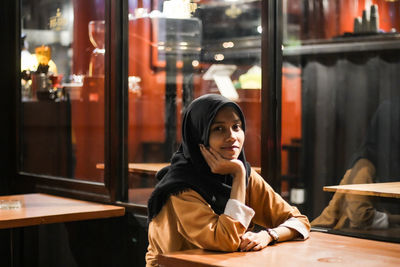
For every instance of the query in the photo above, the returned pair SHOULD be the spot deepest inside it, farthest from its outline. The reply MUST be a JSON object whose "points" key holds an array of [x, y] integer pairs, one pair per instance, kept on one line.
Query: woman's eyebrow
{"points": [[222, 122]]}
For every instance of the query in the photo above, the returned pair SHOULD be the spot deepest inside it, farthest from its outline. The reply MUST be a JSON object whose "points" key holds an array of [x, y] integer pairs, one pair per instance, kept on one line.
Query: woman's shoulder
{"points": [[255, 179], [180, 199], [187, 195]]}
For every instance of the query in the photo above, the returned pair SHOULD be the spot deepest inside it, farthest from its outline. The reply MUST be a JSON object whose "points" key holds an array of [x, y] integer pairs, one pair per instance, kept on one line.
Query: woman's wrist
{"points": [[273, 235], [239, 171], [267, 236], [239, 184]]}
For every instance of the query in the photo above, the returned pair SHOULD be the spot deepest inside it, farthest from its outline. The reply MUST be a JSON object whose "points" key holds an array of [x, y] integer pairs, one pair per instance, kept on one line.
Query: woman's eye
{"points": [[217, 129], [236, 127]]}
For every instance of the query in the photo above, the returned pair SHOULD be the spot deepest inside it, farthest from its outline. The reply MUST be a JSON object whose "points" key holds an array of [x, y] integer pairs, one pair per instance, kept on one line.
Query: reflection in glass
{"points": [[177, 53], [376, 161], [310, 21], [62, 126], [96, 36], [339, 111]]}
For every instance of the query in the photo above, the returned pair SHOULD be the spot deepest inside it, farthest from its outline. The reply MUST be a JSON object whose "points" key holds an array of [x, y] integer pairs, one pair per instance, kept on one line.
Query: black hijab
{"points": [[188, 169]]}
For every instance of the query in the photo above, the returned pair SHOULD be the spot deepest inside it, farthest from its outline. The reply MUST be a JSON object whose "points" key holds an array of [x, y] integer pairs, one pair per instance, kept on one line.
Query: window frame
{"points": [[115, 188]]}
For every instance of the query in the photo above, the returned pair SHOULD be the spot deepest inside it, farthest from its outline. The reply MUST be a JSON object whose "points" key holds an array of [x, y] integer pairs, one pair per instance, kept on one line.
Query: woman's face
{"points": [[226, 133]]}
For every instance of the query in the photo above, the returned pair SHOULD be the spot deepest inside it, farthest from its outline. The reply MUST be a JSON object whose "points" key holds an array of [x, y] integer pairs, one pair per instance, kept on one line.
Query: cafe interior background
{"points": [[93, 87]]}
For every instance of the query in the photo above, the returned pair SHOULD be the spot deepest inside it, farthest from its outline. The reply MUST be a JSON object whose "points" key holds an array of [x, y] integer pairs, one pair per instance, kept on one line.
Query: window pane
{"points": [[340, 112], [176, 56], [62, 88]]}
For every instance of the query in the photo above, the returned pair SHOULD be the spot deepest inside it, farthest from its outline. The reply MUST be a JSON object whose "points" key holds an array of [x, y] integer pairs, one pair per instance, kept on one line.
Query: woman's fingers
{"points": [[209, 158], [206, 153], [247, 241], [216, 162], [249, 246], [243, 244], [253, 241], [258, 247], [209, 153], [204, 150], [215, 154]]}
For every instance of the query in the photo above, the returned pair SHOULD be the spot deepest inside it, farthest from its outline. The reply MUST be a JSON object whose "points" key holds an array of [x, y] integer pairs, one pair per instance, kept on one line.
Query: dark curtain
{"points": [[341, 94]]}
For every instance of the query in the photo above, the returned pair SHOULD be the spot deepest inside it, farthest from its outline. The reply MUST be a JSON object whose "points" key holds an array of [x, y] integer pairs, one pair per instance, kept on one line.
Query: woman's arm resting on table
{"points": [[258, 241]]}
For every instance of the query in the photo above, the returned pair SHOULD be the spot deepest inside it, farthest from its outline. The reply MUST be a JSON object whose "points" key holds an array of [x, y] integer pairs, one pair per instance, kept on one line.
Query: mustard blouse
{"points": [[187, 221]]}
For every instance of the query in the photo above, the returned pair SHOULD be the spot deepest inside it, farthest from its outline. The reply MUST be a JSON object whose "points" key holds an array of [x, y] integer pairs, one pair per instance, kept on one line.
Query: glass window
{"points": [[178, 51], [340, 112], [62, 88]]}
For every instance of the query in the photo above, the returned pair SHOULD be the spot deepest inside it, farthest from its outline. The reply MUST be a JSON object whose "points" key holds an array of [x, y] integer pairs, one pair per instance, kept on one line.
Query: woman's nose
{"points": [[231, 134]]}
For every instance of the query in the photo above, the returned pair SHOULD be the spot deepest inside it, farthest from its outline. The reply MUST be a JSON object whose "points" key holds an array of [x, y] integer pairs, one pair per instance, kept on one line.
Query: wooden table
{"points": [[390, 190], [44, 209], [150, 168], [321, 249], [37, 209], [142, 168]]}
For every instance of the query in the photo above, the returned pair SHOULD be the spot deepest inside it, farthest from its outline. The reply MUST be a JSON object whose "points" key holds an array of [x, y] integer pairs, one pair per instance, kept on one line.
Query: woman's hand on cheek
{"points": [[218, 164]]}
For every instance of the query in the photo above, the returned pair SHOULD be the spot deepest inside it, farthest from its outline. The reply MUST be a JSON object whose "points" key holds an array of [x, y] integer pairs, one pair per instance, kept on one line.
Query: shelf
{"points": [[241, 48], [345, 45]]}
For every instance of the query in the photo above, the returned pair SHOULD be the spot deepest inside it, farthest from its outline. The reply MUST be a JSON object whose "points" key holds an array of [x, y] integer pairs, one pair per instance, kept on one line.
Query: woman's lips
{"points": [[230, 152], [230, 148]]}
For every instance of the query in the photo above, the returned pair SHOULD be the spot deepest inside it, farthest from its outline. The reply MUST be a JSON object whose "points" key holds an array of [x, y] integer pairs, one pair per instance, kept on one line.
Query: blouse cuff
{"points": [[239, 212], [297, 225]]}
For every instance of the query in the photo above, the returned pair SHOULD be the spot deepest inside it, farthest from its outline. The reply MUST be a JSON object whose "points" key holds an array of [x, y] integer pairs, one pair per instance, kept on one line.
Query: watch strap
{"points": [[274, 235]]}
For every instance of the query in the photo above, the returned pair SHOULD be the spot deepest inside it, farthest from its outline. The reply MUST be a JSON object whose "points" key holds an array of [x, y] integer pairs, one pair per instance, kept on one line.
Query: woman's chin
{"points": [[229, 156]]}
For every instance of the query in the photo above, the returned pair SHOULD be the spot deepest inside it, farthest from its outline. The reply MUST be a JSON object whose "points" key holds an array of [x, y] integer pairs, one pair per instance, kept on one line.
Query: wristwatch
{"points": [[274, 235]]}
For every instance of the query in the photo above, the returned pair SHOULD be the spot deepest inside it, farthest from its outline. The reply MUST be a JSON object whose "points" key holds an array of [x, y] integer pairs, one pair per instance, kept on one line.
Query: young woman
{"points": [[209, 197]]}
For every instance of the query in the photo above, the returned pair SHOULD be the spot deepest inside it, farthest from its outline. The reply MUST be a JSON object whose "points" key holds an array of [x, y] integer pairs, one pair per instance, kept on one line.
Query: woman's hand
{"points": [[235, 167], [219, 165], [254, 241]]}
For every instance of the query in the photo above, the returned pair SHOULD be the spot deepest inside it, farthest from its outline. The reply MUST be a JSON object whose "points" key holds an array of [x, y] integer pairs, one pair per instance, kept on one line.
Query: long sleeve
{"points": [[187, 221], [271, 210], [198, 223]]}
